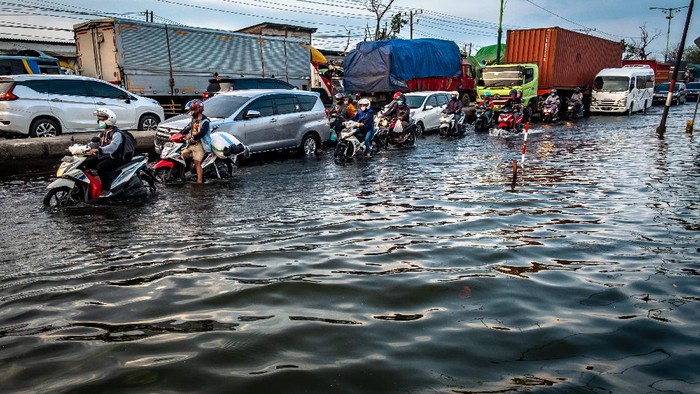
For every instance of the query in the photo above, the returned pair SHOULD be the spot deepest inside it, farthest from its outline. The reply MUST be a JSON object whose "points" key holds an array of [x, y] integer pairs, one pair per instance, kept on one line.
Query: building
{"points": [[274, 29]]}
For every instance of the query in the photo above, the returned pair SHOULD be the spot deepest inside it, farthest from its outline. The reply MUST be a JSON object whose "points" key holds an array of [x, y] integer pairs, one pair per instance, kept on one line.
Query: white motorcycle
{"points": [[448, 127], [75, 184], [350, 146], [218, 164]]}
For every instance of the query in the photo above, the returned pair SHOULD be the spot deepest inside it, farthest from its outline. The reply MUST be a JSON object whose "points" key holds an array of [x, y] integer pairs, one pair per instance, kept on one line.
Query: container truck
{"points": [[173, 64], [662, 71], [539, 60], [378, 69]]}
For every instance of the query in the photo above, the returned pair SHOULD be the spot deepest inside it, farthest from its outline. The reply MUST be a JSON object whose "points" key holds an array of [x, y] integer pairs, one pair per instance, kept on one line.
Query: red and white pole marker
{"points": [[527, 127]]}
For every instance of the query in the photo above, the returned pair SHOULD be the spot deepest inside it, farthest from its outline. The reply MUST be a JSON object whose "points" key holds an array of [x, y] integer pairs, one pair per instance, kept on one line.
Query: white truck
{"points": [[173, 64]]}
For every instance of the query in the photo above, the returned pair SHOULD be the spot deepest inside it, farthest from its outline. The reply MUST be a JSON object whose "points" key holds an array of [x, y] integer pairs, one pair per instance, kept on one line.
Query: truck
{"points": [[378, 69], [539, 60], [173, 64], [662, 71]]}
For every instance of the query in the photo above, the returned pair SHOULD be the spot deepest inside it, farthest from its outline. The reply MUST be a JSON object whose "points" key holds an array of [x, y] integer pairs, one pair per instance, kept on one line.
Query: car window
{"points": [[11, 67], [286, 104], [693, 85], [68, 87], [223, 106], [264, 105], [432, 100], [442, 99], [40, 86], [103, 90], [307, 102]]}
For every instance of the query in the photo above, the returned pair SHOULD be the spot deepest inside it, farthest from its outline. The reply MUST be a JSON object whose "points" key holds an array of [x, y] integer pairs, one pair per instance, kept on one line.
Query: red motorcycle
{"points": [[509, 120]]}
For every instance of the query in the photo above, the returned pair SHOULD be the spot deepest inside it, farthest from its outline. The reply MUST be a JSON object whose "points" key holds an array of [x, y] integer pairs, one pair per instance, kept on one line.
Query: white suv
{"points": [[49, 105]]}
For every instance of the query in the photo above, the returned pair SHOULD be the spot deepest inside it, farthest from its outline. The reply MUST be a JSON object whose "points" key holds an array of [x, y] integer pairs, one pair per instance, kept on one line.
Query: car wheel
{"points": [[309, 145], [631, 110], [420, 128], [148, 122], [44, 127]]}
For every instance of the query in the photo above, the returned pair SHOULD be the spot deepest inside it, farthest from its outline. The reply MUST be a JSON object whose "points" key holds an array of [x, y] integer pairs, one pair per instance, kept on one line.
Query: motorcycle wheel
{"points": [[376, 146], [58, 198], [443, 132], [411, 140], [165, 175], [343, 150]]}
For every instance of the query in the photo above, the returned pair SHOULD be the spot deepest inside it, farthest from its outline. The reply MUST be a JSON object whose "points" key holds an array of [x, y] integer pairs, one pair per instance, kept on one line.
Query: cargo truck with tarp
{"points": [[173, 64], [379, 68], [539, 60]]}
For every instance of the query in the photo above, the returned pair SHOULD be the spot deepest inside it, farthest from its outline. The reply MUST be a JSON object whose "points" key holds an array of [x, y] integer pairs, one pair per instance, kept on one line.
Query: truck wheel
{"points": [[148, 122]]}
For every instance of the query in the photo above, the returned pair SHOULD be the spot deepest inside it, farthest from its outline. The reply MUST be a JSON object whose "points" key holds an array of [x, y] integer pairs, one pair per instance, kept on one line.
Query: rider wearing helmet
{"points": [[110, 154], [200, 137], [365, 117], [577, 100], [454, 106], [487, 104], [515, 102], [339, 113], [553, 98], [349, 108], [399, 109]]}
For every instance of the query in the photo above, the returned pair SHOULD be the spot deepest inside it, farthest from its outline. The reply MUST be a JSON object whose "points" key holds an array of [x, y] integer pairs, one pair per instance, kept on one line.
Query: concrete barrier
{"points": [[34, 148]]}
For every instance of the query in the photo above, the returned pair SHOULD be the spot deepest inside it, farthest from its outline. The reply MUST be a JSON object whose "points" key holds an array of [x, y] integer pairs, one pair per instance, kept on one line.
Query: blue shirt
{"points": [[367, 118]]}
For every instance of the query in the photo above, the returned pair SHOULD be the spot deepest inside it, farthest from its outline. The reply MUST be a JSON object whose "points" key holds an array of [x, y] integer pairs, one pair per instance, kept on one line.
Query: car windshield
{"points": [[224, 105], [611, 83], [415, 101], [663, 88]]}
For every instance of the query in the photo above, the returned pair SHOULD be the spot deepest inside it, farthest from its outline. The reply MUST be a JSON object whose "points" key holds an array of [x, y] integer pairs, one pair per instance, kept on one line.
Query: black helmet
{"points": [[513, 92], [554, 91], [402, 97]]}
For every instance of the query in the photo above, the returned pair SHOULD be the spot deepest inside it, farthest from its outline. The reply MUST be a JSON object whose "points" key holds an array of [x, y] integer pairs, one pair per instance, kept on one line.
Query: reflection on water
{"points": [[423, 270]]}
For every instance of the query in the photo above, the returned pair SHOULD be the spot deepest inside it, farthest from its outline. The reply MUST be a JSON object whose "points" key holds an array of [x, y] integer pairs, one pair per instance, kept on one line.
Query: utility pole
{"points": [[670, 12], [411, 14], [500, 33], [662, 126]]}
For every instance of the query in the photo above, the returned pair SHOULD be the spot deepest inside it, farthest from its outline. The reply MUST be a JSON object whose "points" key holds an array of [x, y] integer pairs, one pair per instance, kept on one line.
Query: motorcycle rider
{"points": [[487, 104], [339, 112], [454, 106], [516, 103], [200, 138], [110, 154], [577, 100], [399, 109], [350, 109], [553, 98], [365, 118]]}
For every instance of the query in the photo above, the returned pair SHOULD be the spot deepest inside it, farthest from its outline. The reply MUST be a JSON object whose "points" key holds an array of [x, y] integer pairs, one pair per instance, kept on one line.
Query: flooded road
{"points": [[422, 270]]}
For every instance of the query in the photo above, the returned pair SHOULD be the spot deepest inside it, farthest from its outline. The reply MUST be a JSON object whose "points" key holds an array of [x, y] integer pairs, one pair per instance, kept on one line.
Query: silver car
{"points": [[49, 105], [263, 120]]}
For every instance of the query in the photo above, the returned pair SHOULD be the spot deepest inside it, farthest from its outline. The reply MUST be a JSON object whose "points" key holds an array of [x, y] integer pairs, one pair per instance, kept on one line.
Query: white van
{"points": [[627, 89]]}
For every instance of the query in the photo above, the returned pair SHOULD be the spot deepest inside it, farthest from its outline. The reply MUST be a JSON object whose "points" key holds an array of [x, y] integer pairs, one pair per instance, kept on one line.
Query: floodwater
{"points": [[425, 270]]}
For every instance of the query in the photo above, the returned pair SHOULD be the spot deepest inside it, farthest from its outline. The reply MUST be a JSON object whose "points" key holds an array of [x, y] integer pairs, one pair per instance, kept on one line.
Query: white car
{"points": [[50, 105], [426, 109]]}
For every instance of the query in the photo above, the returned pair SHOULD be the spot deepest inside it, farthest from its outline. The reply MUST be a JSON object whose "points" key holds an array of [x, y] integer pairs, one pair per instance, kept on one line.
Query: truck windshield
{"points": [[611, 84], [502, 77]]}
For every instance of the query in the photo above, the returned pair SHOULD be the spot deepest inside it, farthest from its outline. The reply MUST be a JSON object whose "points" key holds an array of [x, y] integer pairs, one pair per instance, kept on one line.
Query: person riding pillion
{"points": [[199, 136], [111, 153], [365, 118], [454, 106]]}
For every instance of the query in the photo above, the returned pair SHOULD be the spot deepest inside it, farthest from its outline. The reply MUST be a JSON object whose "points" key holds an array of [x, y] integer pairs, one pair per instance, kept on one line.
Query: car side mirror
{"points": [[251, 114], [428, 107]]}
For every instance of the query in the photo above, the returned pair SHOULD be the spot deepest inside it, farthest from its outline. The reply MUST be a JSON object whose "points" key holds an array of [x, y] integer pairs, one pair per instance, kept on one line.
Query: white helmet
{"points": [[106, 113], [454, 93], [363, 101]]}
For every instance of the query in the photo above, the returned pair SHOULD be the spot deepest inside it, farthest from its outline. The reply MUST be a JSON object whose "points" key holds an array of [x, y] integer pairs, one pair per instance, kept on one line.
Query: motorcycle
{"points": [[391, 132], [349, 145], [508, 121], [450, 128], [484, 119], [574, 109], [550, 112], [218, 164], [76, 184]]}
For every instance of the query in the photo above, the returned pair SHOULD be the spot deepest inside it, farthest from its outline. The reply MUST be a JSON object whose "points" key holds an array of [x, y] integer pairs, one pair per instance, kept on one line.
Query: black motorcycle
{"points": [[574, 109], [484, 119], [392, 133]]}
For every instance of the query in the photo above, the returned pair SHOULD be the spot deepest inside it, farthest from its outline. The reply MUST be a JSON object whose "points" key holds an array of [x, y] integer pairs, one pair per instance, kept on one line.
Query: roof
{"points": [[278, 26]]}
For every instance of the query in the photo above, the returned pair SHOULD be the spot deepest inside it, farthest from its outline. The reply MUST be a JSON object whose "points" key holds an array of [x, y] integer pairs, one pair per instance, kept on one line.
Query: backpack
{"points": [[128, 148]]}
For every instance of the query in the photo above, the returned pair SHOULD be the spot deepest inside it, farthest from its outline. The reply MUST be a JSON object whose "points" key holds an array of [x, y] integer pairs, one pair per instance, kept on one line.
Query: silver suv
{"points": [[49, 105], [264, 120]]}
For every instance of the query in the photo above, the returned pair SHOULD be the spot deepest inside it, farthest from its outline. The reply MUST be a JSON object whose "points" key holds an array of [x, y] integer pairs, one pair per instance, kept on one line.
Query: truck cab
{"points": [[501, 79]]}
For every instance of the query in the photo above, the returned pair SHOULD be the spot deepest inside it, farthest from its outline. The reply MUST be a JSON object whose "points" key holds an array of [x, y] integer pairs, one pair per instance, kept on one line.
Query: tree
{"points": [[692, 54], [638, 49], [397, 22], [379, 9]]}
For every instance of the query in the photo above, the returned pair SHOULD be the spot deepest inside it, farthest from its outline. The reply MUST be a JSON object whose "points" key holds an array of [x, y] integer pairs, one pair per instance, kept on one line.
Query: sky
{"points": [[341, 24]]}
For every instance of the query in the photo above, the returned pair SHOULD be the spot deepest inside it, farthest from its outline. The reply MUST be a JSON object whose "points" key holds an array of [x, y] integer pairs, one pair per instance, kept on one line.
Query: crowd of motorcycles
{"points": [[76, 185]]}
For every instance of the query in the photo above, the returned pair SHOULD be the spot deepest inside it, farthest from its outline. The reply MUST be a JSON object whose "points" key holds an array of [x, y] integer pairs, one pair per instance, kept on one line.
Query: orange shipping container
{"points": [[566, 59]]}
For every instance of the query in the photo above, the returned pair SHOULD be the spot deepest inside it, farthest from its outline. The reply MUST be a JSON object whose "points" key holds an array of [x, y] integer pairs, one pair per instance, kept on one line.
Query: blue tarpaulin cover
{"points": [[379, 66]]}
